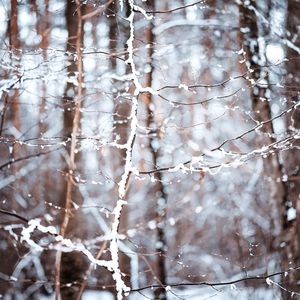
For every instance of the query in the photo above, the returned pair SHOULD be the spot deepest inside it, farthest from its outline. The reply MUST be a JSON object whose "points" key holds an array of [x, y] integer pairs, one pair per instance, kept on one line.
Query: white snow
{"points": [[291, 214], [274, 53]]}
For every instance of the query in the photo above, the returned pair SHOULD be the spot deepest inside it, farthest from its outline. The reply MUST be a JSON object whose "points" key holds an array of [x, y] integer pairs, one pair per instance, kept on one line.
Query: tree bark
{"points": [[292, 158], [253, 37], [14, 42], [70, 267]]}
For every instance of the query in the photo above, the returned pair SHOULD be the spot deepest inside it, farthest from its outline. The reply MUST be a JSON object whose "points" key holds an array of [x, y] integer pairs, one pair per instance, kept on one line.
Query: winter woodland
{"points": [[149, 149]]}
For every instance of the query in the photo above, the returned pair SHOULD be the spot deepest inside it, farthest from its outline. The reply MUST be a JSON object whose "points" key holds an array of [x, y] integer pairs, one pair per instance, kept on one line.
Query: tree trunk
{"points": [[292, 158], [70, 267], [253, 41], [14, 42], [159, 193]]}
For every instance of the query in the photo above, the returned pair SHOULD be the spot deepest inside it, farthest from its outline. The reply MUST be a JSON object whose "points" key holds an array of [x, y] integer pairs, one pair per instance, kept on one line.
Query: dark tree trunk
{"points": [[254, 55], [72, 266], [250, 44], [14, 42], [292, 158], [9, 124]]}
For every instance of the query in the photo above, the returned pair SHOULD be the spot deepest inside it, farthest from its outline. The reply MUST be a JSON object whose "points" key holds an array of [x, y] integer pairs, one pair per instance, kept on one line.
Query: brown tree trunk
{"points": [[13, 31], [43, 27], [292, 158], [70, 267], [261, 110], [249, 42], [9, 125]]}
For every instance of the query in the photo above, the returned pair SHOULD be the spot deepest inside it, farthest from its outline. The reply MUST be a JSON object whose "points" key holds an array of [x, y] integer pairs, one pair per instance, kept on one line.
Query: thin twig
{"points": [[9, 213], [174, 9], [222, 283], [11, 162]]}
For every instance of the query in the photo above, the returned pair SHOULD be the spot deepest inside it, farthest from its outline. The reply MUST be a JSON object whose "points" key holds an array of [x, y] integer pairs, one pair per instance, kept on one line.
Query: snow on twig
{"points": [[62, 245], [128, 168]]}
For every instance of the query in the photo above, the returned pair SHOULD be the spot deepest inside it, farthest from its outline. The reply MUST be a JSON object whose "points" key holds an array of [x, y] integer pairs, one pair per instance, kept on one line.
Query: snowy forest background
{"points": [[149, 149]]}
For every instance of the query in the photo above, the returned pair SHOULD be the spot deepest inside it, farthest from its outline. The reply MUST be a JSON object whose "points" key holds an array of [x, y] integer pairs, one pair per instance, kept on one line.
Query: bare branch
{"points": [[222, 283], [13, 214]]}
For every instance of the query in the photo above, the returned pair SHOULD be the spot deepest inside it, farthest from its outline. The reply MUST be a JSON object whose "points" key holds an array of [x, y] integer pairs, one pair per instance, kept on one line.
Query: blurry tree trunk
{"points": [[292, 158], [72, 23], [13, 31], [250, 44], [159, 194], [11, 98], [14, 42], [261, 110], [9, 114], [70, 267], [47, 180], [43, 27], [13, 26]]}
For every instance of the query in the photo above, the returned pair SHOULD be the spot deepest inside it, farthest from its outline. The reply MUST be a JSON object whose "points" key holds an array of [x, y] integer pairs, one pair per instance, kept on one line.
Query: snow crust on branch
{"points": [[128, 168], [63, 244]]}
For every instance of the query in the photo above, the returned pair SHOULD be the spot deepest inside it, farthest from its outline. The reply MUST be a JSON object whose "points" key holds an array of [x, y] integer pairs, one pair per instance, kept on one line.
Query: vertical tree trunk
{"points": [[253, 39], [13, 31], [254, 60], [12, 97], [70, 267], [292, 158], [10, 128], [159, 193], [11, 110], [43, 26]]}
